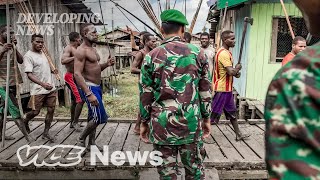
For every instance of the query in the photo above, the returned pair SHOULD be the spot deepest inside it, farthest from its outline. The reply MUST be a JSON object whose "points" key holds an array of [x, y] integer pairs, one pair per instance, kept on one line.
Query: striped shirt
{"points": [[3, 70], [222, 82]]}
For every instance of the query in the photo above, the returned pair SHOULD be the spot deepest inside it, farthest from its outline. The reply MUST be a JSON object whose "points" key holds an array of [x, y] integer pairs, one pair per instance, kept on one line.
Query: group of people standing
{"points": [[42, 89], [184, 89], [83, 77]]}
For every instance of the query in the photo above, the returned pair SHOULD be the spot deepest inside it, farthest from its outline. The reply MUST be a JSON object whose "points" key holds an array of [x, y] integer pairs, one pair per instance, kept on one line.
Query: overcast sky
{"points": [[134, 7]]}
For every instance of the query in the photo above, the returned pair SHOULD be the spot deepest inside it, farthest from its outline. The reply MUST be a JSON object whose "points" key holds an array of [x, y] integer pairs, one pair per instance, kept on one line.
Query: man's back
{"points": [[181, 92], [292, 118]]}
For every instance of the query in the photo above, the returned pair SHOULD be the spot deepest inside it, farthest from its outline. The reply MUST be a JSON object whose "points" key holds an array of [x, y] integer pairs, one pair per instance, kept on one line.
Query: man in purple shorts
{"points": [[223, 84]]}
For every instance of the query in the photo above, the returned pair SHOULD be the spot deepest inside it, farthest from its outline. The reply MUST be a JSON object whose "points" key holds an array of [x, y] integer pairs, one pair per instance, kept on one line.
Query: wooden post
{"points": [[287, 18], [8, 75]]}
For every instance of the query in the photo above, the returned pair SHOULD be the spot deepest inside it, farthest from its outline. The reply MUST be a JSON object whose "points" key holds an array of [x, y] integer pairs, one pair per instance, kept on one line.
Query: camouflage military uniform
{"points": [[175, 97], [293, 119]]}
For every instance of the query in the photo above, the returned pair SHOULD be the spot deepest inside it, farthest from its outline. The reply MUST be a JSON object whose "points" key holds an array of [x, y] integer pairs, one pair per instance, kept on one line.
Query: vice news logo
{"points": [[26, 156]]}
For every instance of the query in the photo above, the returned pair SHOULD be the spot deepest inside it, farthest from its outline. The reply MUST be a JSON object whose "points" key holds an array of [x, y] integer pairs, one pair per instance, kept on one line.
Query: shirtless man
{"points": [[68, 60], [149, 42], [87, 73]]}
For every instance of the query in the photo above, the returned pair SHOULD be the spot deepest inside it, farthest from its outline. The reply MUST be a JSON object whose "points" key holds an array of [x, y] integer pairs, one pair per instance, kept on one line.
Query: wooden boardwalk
{"points": [[232, 159]]}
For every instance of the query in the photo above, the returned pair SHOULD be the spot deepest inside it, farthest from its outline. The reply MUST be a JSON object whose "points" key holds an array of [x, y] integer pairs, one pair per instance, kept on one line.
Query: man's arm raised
{"points": [[79, 61]]}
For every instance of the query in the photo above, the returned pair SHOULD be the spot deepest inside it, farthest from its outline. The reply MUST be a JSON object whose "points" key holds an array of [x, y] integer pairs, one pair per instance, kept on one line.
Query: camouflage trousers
{"points": [[192, 156]]}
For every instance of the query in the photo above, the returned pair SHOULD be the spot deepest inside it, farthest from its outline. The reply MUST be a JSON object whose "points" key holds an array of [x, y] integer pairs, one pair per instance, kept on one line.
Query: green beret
{"points": [[173, 15]]}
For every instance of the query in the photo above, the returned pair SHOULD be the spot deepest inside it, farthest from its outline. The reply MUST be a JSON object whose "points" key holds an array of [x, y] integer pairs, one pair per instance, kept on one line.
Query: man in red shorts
{"points": [[68, 61]]}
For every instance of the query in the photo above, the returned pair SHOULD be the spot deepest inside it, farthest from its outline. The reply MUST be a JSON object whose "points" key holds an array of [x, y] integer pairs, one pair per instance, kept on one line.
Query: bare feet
{"points": [[7, 137], [242, 137], [48, 137], [78, 128]]}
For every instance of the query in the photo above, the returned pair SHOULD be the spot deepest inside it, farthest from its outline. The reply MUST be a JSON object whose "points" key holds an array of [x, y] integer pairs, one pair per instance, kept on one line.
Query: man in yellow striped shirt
{"points": [[223, 83]]}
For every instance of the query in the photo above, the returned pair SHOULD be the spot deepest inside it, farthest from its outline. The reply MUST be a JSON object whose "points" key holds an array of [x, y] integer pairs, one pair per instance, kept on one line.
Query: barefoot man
{"points": [[68, 60], [13, 108], [87, 72], [149, 42]]}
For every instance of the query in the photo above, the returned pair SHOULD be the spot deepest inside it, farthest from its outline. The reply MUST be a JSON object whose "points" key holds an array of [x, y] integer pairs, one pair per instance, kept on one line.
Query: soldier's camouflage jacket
{"points": [[175, 92], [292, 116]]}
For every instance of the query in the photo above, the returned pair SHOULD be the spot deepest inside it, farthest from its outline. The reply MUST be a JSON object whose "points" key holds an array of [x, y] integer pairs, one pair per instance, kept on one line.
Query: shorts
{"points": [[96, 113], [13, 107], [75, 95], [36, 102], [223, 102]]}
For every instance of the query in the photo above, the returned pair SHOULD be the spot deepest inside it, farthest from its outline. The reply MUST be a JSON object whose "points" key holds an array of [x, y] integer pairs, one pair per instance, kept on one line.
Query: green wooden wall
{"points": [[260, 71]]}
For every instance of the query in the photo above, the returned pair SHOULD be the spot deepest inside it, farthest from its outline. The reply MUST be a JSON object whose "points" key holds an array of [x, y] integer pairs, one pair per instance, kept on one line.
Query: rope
{"points": [[128, 18]]}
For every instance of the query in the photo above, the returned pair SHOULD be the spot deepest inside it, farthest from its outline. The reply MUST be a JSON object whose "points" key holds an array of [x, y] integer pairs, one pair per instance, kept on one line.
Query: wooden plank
{"points": [[55, 129], [103, 138], [211, 173], [99, 130], [70, 140], [240, 146], [260, 108], [74, 174], [262, 126], [214, 152], [148, 147], [256, 121], [60, 137], [252, 142], [243, 174], [10, 151], [152, 174], [250, 104], [132, 142], [225, 145], [10, 124], [242, 111], [19, 135], [256, 133], [119, 137], [12, 130], [106, 133]]}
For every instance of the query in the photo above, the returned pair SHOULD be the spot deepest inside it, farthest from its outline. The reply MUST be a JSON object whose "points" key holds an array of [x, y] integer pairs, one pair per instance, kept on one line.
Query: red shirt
{"points": [[288, 58]]}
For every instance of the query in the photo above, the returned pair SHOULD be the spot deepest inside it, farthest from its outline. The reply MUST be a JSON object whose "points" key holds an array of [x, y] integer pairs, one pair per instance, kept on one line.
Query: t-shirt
{"points": [[3, 70], [37, 63], [292, 114], [287, 58], [222, 82], [210, 52]]}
